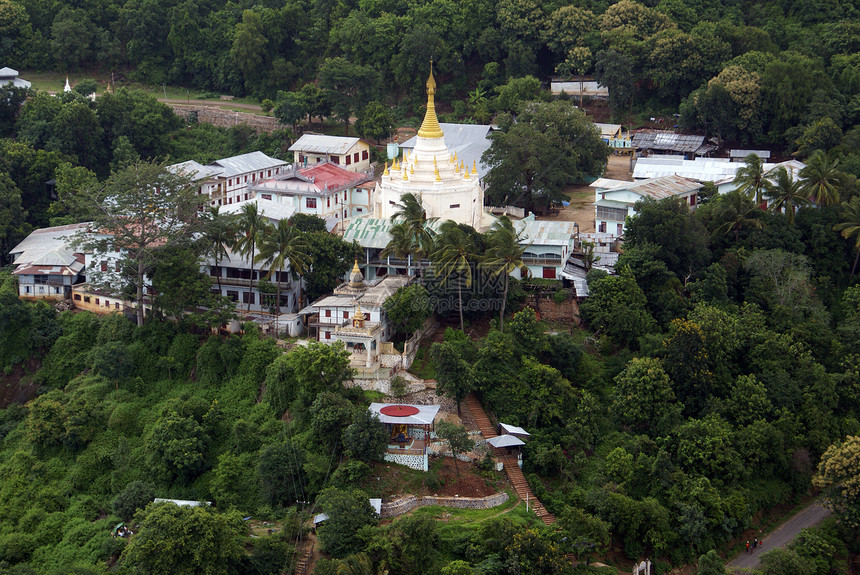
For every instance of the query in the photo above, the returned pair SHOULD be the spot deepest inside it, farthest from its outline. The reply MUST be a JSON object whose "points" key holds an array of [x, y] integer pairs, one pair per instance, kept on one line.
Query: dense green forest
{"points": [[770, 73]]}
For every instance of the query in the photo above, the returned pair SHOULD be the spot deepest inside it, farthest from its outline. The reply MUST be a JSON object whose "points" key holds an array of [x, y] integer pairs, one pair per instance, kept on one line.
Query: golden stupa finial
{"points": [[474, 167], [411, 168], [436, 173], [405, 175], [430, 127], [456, 168], [394, 165], [385, 173], [463, 167]]}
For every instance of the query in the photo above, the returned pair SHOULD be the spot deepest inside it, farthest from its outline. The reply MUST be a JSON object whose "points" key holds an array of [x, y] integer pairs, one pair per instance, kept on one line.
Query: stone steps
{"points": [[514, 473]]}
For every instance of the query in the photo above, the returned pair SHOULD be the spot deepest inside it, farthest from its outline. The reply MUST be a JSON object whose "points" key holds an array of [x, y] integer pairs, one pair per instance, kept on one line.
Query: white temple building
{"points": [[448, 188]]}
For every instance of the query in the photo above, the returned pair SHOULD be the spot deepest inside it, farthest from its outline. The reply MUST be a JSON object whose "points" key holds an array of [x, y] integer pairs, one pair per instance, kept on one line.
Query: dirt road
{"points": [[780, 537]]}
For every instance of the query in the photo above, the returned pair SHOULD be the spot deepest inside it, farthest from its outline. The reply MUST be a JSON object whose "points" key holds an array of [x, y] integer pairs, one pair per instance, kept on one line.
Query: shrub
{"points": [[136, 495]]}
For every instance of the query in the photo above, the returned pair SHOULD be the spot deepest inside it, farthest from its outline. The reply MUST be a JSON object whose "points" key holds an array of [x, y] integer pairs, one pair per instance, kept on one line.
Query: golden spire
{"points": [[394, 165], [385, 173], [463, 167], [436, 171], [430, 127], [405, 175], [411, 168], [474, 167]]}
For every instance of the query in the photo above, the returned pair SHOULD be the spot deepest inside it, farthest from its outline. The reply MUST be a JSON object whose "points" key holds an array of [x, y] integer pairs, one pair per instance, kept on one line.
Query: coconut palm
{"points": [[219, 235], [280, 246], [411, 213], [783, 192], [820, 179], [455, 251], [849, 227], [400, 244], [751, 178], [252, 222], [735, 211], [504, 255]]}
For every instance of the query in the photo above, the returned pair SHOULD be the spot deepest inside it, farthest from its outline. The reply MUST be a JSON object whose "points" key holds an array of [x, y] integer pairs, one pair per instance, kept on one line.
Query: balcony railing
{"points": [[246, 282], [542, 261]]}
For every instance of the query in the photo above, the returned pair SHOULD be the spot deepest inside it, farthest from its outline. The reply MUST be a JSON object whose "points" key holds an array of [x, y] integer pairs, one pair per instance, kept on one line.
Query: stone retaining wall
{"points": [[410, 502], [226, 118]]}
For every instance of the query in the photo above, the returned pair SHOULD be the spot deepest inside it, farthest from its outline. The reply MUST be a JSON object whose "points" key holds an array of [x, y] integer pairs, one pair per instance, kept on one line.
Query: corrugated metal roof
{"points": [[545, 232], [608, 130], [43, 241], [7, 72], [669, 141], [763, 154], [469, 141], [702, 169], [665, 187], [322, 144], [195, 170], [268, 208], [246, 163], [329, 176]]}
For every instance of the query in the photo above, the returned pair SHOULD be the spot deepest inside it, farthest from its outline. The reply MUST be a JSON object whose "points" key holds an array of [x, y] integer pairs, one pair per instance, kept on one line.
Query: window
{"points": [[27, 289], [77, 297], [246, 179], [328, 335], [116, 306], [97, 301], [269, 174], [693, 200], [104, 266], [348, 159], [620, 229], [248, 297], [355, 157], [364, 154], [346, 315], [86, 299], [335, 159], [453, 206], [548, 273], [612, 214], [267, 196], [233, 295], [311, 203], [328, 202], [328, 313]]}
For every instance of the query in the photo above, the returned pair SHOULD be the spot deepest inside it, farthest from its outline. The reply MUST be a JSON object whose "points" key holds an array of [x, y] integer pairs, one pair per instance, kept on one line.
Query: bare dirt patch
{"points": [[581, 208], [391, 481], [18, 386]]}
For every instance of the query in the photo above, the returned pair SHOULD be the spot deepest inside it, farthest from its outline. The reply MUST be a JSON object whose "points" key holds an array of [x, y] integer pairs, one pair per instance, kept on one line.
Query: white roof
{"points": [[763, 154], [545, 232], [246, 163], [608, 129], [268, 208], [376, 504], [586, 87], [322, 144], [183, 502], [425, 416], [702, 169], [319, 518], [608, 184], [44, 241], [505, 441], [195, 170], [513, 429]]}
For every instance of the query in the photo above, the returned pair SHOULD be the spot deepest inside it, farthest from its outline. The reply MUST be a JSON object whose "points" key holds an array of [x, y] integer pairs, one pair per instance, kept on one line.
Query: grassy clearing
{"points": [[423, 365], [55, 81]]}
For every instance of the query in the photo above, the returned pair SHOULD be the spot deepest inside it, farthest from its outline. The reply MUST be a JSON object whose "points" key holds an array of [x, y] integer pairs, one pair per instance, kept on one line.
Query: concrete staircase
{"points": [[515, 474]]}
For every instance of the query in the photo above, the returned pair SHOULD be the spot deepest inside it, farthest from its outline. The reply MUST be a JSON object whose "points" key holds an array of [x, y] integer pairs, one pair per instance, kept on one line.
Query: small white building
{"points": [[47, 265], [226, 181], [352, 154], [548, 245], [614, 200], [409, 428], [10, 76]]}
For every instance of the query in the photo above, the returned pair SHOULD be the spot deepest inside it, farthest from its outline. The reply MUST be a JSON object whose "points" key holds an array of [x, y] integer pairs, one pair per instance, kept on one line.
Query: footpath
{"points": [[515, 474], [809, 516]]}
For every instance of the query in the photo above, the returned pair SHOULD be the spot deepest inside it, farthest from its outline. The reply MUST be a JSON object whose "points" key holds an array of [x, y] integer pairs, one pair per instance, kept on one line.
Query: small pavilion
{"points": [[409, 428]]}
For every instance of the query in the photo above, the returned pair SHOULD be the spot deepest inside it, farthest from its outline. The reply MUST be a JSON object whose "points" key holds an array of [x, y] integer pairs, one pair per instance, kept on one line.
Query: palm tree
{"points": [[849, 227], [219, 235], [504, 255], [356, 564], [784, 192], [252, 222], [751, 178], [735, 211], [400, 244], [284, 245], [411, 213], [454, 254], [820, 180]]}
